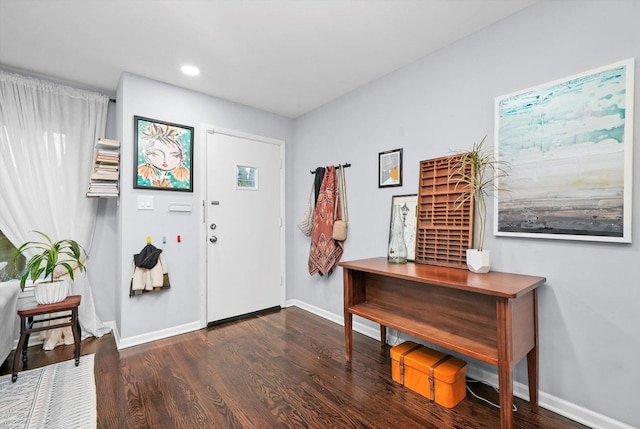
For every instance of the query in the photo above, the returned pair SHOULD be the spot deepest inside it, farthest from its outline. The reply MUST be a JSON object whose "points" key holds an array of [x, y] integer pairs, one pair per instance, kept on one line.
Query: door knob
{"points": [[213, 239]]}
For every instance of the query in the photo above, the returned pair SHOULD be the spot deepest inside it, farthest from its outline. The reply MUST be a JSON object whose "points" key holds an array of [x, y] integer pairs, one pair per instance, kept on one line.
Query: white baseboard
{"points": [[520, 390], [357, 326], [114, 330], [123, 343], [551, 403]]}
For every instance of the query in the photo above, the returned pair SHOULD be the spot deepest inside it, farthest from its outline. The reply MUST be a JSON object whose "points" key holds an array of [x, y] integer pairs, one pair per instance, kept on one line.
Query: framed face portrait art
{"points": [[163, 155]]}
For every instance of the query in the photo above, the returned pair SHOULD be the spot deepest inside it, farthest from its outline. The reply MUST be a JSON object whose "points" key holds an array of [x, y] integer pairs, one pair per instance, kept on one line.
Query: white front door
{"points": [[244, 224]]}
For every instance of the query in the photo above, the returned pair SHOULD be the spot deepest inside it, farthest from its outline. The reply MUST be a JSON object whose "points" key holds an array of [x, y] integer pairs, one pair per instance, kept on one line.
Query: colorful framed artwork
{"points": [[409, 210], [390, 168], [569, 144], [163, 155]]}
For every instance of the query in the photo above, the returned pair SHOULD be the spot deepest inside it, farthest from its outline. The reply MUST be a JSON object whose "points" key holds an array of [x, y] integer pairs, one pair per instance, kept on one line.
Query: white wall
{"points": [[151, 315], [588, 310]]}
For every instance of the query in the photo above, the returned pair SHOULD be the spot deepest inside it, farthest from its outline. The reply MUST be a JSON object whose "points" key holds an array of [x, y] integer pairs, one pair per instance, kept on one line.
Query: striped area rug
{"points": [[54, 397]]}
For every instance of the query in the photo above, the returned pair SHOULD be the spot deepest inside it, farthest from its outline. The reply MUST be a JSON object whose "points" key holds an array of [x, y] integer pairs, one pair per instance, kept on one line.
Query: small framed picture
{"points": [[390, 168], [163, 155], [409, 212]]}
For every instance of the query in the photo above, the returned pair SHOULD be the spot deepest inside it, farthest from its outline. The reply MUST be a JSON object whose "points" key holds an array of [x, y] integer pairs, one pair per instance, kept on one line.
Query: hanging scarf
{"points": [[325, 251], [317, 182]]}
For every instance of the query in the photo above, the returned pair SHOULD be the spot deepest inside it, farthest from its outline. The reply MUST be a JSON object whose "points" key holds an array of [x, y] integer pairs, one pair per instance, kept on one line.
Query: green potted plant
{"points": [[479, 171], [49, 260]]}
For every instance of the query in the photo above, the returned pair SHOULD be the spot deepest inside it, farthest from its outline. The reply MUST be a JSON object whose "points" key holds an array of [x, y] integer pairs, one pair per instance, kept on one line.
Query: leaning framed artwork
{"points": [[569, 144], [409, 210], [390, 168], [163, 155]]}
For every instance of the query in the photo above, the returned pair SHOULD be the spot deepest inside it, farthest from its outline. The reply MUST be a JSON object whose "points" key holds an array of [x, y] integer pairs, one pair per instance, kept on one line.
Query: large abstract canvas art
{"points": [[569, 146]]}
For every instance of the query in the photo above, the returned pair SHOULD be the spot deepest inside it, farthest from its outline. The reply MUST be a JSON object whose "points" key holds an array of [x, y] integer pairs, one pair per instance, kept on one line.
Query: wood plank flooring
{"points": [[279, 370]]}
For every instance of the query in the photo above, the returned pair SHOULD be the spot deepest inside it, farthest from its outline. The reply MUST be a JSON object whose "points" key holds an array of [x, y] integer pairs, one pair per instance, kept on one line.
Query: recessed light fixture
{"points": [[190, 70]]}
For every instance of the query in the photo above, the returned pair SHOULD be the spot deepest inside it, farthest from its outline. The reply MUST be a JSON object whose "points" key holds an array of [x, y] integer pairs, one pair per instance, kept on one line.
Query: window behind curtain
{"points": [[14, 268]]}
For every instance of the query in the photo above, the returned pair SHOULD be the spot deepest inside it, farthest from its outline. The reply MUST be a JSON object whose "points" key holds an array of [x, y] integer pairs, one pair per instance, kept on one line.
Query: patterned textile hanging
{"points": [[325, 251]]}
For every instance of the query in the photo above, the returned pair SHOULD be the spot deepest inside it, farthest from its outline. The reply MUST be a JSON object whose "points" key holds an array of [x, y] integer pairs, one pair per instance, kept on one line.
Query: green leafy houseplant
{"points": [[50, 255], [481, 180]]}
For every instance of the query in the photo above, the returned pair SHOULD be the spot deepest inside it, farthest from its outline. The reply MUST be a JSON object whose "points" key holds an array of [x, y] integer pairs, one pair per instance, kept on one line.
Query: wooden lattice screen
{"points": [[445, 227]]}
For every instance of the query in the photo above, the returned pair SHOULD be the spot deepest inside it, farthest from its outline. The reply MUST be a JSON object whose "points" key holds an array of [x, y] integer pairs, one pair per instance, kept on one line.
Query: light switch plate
{"points": [[145, 202]]}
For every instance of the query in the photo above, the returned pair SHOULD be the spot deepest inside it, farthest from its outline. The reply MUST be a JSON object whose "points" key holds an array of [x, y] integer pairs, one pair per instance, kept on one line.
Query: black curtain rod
{"points": [[347, 165]]}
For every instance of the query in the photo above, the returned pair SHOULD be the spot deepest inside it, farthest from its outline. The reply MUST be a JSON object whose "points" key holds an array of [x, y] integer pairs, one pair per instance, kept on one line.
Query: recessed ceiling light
{"points": [[190, 70]]}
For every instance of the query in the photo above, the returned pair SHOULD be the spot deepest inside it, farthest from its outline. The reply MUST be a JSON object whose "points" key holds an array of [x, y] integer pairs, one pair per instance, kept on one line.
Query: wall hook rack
{"points": [[345, 165]]}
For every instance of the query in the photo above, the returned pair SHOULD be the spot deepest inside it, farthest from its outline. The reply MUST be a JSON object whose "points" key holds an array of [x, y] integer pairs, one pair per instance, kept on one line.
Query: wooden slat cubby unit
{"points": [[445, 226]]}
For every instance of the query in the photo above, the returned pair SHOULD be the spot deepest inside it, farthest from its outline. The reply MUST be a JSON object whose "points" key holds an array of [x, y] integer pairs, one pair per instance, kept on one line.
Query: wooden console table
{"points": [[491, 317]]}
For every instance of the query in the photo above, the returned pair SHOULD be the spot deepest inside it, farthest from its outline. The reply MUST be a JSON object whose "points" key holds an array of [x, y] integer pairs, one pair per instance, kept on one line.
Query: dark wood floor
{"points": [[279, 370]]}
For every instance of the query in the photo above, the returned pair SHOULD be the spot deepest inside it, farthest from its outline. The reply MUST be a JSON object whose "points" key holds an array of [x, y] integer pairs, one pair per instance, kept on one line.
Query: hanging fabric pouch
{"points": [[306, 223], [340, 226], [340, 230]]}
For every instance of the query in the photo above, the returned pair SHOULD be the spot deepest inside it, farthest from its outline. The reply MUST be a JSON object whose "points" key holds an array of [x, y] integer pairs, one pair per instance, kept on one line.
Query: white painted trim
{"points": [[520, 390], [315, 310], [283, 224], [202, 147], [550, 402], [213, 129], [114, 330], [357, 326], [123, 343]]}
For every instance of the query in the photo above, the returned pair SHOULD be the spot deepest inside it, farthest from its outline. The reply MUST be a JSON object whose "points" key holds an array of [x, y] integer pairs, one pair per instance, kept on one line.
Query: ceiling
{"points": [[283, 56]]}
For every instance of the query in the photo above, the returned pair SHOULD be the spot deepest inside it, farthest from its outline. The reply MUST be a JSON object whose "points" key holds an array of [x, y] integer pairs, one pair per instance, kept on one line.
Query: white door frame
{"points": [[202, 167]]}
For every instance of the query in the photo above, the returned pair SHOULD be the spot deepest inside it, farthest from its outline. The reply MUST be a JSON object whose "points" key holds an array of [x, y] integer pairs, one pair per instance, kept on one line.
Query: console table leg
{"points": [[348, 334], [532, 370], [532, 359], [383, 335], [505, 384], [505, 371]]}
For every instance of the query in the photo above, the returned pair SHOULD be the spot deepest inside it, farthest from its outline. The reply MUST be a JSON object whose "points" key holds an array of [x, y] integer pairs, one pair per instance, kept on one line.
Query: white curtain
{"points": [[47, 135]]}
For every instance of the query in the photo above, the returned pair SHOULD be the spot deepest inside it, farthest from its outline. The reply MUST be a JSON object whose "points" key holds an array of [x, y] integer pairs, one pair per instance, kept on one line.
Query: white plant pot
{"points": [[479, 261], [50, 292]]}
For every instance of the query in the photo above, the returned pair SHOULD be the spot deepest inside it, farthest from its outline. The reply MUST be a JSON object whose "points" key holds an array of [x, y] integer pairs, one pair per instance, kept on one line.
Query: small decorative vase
{"points": [[50, 292], [397, 247], [478, 261]]}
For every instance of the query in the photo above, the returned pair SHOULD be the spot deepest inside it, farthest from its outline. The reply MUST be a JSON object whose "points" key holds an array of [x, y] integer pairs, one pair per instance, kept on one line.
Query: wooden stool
{"points": [[71, 303]]}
